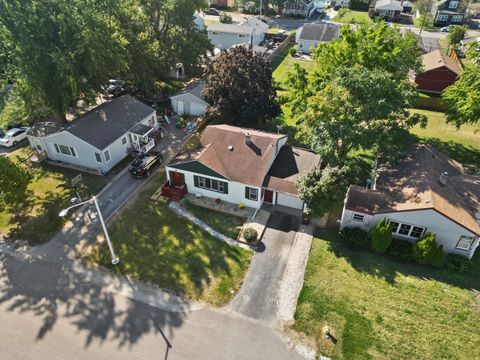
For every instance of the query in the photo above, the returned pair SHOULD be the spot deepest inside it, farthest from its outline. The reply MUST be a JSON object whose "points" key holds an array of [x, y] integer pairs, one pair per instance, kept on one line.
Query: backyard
{"points": [[49, 191], [351, 16], [378, 308], [168, 251]]}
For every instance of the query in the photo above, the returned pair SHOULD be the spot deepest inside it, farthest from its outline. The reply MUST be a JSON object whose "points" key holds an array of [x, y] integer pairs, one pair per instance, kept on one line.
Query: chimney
{"points": [[443, 178], [248, 138]]}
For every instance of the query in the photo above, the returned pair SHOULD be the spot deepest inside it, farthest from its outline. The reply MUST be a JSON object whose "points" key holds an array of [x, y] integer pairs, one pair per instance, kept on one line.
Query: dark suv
{"points": [[143, 165]]}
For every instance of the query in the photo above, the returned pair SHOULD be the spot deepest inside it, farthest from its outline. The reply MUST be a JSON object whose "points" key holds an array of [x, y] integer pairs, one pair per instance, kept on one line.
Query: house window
{"points": [[65, 150], [404, 229], [124, 140], [98, 157], [465, 242], [407, 230], [453, 5], [214, 33], [358, 217], [241, 36], [457, 18], [38, 145], [107, 155], [442, 18], [210, 184], [251, 193]]}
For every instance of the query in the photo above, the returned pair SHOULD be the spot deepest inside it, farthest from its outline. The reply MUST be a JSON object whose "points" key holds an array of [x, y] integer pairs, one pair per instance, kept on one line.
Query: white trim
{"points": [[249, 197], [105, 152], [470, 246], [410, 229], [71, 149], [95, 153]]}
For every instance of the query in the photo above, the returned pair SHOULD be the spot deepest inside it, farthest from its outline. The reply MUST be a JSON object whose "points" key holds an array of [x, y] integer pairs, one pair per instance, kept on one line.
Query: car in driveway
{"points": [[13, 136], [447, 28], [144, 164], [212, 11]]}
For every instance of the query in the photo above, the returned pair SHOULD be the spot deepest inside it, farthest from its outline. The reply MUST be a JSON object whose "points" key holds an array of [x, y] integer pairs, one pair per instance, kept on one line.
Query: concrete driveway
{"points": [[258, 296]]}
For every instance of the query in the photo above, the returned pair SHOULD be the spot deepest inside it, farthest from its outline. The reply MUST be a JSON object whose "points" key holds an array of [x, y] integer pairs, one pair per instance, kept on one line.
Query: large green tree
{"points": [[14, 182], [463, 98], [239, 87], [64, 49]]}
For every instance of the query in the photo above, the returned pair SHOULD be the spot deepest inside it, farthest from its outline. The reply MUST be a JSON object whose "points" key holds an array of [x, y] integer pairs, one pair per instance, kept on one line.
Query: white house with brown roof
{"points": [[426, 192], [240, 166]]}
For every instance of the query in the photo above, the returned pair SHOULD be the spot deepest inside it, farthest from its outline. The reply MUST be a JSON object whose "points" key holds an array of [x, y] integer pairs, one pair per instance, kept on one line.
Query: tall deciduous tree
{"points": [[239, 87], [65, 50], [463, 98], [13, 183], [424, 8]]}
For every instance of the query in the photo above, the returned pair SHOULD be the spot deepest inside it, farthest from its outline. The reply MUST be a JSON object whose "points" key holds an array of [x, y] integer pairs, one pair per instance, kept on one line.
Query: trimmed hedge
{"points": [[430, 103], [381, 236], [355, 238], [401, 250], [426, 251], [359, 5], [458, 264]]}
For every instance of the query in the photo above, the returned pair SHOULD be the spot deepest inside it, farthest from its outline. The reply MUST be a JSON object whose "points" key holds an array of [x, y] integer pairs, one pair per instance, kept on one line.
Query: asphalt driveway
{"points": [[258, 296]]}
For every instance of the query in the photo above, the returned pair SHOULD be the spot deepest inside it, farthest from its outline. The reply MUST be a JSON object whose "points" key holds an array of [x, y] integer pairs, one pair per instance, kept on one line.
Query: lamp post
{"points": [[64, 212]]}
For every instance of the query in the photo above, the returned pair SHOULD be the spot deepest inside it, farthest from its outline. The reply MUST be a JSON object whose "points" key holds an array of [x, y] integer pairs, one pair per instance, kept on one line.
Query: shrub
{"points": [[250, 235], [292, 51], [355, 238], [426, 251], [458, 264], [225, 18], [381, 236], [401, 250]]}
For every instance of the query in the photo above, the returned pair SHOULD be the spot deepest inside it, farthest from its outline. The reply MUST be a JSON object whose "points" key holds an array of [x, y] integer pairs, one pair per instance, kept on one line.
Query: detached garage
{"points": [[190, 101]]}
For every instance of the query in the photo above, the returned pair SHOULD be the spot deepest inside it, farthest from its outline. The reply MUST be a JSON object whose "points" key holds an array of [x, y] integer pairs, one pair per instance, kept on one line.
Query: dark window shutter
{"points": [[246, 192], [195, 180], [225, 188]]}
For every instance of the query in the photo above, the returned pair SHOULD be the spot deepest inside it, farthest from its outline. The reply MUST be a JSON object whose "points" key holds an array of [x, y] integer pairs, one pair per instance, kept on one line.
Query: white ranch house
{"points": [[99, 139], [240, 166], [426, 192], [224, 36]]}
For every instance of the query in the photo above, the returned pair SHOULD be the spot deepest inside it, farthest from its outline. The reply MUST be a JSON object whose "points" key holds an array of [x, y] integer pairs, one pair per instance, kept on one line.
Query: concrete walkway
{"points": [[181, 211], [293, 277], [258, 296]]}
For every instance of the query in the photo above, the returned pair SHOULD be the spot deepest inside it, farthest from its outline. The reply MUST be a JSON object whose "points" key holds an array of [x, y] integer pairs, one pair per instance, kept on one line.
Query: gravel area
{"points": [[292, 281]]}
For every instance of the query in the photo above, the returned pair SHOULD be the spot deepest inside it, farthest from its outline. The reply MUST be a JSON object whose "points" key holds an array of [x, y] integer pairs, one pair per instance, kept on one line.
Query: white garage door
{"points": [[290, 201]]}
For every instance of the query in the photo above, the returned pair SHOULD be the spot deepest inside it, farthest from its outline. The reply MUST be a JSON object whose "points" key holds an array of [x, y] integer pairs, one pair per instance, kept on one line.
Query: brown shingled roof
{"points": [[437, 59], [414, 185], [247, 164]]}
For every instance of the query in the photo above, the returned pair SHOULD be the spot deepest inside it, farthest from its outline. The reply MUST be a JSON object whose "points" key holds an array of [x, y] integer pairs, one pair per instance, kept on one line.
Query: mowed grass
{"points": [[158, 247], [352, 16], [49, 191], [462, 144], [378, 308], [226, 224]]}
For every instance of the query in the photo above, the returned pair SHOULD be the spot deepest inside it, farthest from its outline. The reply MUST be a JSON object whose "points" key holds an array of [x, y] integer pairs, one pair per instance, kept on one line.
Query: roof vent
{"points": [[230, 147], [443, 178], [248, 138]]}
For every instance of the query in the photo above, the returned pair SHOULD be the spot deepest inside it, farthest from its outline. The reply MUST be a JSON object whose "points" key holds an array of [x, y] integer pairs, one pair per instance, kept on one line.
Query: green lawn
{"points": [[352, 16], [226, 224], [156, 246], [461, 144], [50, 191], [381, 309]]}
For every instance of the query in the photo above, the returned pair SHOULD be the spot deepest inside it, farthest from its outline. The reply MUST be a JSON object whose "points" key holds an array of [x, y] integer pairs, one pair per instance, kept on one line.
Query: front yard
{"points": [[156, 246], [378, 308], [50, 191]]}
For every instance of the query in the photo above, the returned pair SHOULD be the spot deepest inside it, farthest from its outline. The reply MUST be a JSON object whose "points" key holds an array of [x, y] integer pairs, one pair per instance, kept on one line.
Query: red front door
{"points": [[268, 197], [177, 178]]}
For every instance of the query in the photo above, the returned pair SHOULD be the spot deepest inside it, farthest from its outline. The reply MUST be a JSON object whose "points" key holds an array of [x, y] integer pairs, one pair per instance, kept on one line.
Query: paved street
{"points": [[258, 295]]}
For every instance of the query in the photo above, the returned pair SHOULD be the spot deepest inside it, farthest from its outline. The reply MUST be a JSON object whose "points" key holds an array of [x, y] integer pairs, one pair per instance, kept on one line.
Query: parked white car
{"points": [[13, 136]]}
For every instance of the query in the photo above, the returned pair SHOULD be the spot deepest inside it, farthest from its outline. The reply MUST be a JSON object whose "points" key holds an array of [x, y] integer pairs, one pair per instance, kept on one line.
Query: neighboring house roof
{"points": [[414, 185], [289, 165], [388, 5], [438, 59], [230, 28], [256, 23], [193, 89], [319, 32], [44, 128], [245, 163], [103, 124]]}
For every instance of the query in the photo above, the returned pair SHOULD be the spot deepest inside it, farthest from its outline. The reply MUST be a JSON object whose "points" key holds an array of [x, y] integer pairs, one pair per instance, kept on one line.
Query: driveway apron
{"points": [[258, 296]]}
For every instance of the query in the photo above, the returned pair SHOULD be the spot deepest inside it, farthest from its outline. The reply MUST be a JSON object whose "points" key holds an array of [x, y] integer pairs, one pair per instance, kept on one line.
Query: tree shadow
{"points": [[47, 284], [387, 268]]}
